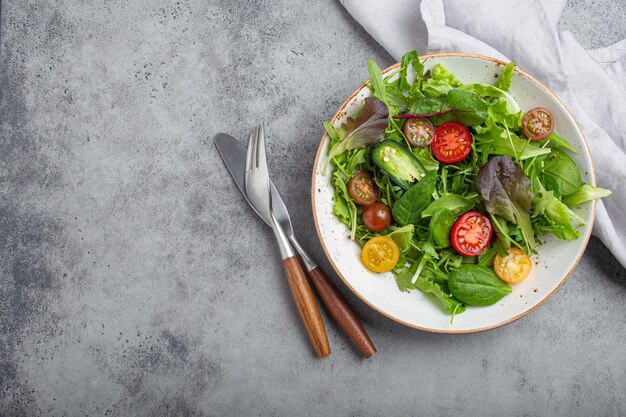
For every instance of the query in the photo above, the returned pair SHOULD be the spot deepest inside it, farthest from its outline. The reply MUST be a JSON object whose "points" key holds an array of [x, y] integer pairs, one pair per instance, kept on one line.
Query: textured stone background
{"points": [[134, 280]]}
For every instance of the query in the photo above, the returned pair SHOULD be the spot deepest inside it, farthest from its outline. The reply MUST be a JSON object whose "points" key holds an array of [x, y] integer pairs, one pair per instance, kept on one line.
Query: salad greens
{"points": [[524, 187]]}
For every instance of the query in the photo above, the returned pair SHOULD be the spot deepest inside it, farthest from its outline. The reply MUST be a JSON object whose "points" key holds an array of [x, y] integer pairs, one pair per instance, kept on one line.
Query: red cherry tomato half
{"points": [[419, 132], [452, 143], [377, 217], [538, 123], [362, 189], [471, 234]]}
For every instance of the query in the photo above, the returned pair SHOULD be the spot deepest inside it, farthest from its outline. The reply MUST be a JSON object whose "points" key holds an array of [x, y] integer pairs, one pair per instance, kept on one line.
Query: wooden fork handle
{"points": [[307, 306], [341, 311]]}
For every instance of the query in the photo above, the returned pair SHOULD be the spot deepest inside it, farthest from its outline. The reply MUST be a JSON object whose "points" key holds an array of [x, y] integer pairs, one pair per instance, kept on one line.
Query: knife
{"points": [[234, 155]]}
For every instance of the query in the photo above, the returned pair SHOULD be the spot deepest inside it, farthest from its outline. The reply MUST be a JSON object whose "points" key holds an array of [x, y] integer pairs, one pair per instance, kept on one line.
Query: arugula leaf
{"points": [[343, 206], [430, 284], [440, 226], [504, 82], [506, 191], [408, 208], [411, 58], [377, 84], [424, 155], [477, 285], [455, 203], [560, 174], [449, 303], [583, 194], [501, 141], [367, 129], [402, 236], [487, 257]]}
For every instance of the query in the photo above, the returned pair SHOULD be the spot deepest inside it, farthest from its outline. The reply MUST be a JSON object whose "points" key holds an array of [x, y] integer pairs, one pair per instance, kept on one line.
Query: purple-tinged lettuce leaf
{"points": [[507, 192], [367, 129]]}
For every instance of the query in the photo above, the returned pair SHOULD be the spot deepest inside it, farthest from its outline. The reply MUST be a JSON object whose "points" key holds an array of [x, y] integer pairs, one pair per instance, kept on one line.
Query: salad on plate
{"points": [[450, 185]]}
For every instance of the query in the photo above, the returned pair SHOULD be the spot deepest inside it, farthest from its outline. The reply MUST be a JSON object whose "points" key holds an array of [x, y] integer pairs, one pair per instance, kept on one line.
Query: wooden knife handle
{"points": [[341, 311], [307, 306]]}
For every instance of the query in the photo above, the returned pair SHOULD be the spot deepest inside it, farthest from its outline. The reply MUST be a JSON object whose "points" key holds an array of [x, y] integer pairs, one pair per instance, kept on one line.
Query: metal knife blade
{"points": [[233, 154]]}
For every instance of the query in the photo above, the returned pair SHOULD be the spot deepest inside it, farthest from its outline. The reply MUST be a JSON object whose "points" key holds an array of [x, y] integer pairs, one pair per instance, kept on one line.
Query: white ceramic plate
{"points": [[554, 263]]}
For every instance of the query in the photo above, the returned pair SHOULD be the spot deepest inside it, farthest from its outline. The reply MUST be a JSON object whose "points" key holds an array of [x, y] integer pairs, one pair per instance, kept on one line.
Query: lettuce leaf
{"points": [[563, 220], [507, 193], [586, 193], [439, 73], [504, 82], [367, 129]]}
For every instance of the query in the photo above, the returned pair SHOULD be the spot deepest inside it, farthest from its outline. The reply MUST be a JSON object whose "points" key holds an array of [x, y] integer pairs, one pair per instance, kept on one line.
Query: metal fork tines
{"points": [[257, 182]]}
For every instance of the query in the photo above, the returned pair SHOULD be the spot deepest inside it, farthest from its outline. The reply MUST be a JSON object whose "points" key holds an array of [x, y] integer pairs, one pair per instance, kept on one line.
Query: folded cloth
{"points": [[592, 83]]}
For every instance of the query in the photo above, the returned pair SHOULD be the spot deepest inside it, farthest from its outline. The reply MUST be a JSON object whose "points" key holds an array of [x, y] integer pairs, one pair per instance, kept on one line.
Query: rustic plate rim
{"points": [[451, 331]]}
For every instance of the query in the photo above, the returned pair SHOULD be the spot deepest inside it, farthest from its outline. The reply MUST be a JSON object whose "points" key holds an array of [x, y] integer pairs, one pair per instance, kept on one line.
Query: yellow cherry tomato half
{"points": [[513, 268], [380, 254]]}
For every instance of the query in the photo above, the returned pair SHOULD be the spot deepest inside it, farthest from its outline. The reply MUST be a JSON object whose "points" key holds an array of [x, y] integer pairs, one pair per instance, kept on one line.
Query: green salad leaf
{"points": [[455, 203], [560, 174], [504, 82], [402, 236], [586, 193], [440, 73], [477, 285], [367, 129], [440, 226], [492, 92], [408, 208], [507, 192], [562, 220]]}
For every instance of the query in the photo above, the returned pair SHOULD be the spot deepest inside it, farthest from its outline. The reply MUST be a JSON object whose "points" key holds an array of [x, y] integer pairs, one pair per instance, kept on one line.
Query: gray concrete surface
{"points": [[135, 281]]}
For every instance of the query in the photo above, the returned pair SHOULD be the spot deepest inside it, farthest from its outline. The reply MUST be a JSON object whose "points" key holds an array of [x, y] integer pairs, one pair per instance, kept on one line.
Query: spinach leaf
{"points": [[560, 142], [507, 192], [504, 82], [462, 106], [455, 203], [477, 285], [367, 129], [458, 106], [489, 91], [560, 174], [440, 226], [408, 208], [583, 194]]}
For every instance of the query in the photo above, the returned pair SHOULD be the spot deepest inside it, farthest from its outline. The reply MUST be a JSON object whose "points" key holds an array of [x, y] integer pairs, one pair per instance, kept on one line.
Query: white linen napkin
{"points": [[592, 83]]}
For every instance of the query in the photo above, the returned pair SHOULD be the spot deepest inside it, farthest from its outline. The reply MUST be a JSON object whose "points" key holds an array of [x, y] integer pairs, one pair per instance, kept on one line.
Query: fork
{"points": [[257, 184]]}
